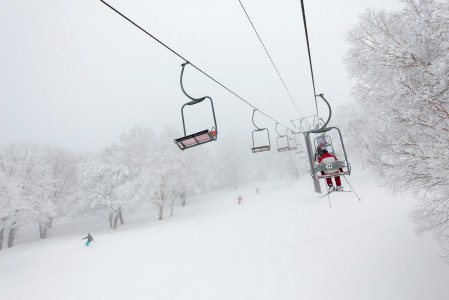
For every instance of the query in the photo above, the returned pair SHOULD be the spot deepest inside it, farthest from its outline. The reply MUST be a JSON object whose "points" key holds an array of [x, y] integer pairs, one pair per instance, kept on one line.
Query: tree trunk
{"points": [[161, 205], [11, 236], [183, 199], [50, 223], [1, 237], [111, 215], [172, 204], [114, 226], [43, 230], [161, 212], [120, 216]]}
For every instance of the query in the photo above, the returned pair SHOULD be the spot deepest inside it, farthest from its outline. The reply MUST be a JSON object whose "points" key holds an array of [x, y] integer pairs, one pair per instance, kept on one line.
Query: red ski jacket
{"points": [[327, 155]]}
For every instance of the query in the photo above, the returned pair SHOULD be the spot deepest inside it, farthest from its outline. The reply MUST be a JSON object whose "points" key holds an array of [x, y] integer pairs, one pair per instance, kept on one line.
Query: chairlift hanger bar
{"points": [[276, 129], [186, 60], [323, 128], [254, 111], [194, 100]]}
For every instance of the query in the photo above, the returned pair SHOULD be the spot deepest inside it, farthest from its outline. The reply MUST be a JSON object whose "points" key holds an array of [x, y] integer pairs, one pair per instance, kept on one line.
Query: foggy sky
{"points": [[76, 74]]}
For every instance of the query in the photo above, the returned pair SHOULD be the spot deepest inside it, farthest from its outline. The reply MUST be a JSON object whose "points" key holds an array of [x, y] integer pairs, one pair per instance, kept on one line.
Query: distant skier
{"points": [[89, 239], [240, 199], [327, 158]]}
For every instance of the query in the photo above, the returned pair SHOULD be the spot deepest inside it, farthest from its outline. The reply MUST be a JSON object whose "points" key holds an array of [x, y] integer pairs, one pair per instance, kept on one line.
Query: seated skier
{"points": [[318, 153], [327, 158]]}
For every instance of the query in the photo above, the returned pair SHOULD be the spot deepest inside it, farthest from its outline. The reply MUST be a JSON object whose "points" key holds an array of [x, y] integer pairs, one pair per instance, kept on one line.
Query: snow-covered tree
{"points": [[171, 175], [105, 184], [136, 149], [27, 187], [60, 183], [400, 61]]}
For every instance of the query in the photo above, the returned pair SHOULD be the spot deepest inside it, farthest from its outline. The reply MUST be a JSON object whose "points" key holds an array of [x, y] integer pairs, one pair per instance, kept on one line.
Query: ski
{"points": [[322, 196]]}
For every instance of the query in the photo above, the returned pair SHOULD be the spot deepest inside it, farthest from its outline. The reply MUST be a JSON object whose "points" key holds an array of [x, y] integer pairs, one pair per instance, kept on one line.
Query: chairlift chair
{"points": [[292, 143], [296, 134], [330, 170], [323, 140], [284, 139], [264, 147], [201, 137], [299, 146]]}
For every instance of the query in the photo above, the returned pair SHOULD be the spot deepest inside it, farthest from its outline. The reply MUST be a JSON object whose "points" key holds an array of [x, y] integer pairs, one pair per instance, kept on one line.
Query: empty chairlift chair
{"points": [[201, 137], [264, 147], [292, 143], [282, 141], [299, 147]]}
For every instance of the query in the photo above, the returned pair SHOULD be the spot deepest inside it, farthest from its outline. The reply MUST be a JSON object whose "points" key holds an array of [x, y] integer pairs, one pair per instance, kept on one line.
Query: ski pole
{"points": [[355, 193]]}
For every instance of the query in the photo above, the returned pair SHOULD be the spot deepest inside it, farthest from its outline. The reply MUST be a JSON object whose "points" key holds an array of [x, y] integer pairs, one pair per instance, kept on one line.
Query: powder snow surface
{"points": [[284, 243]]}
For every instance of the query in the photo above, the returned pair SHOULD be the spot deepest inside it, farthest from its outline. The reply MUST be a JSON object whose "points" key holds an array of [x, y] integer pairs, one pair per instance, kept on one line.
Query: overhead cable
{"points": [[310, 56], [193, 65], [269, 56]]}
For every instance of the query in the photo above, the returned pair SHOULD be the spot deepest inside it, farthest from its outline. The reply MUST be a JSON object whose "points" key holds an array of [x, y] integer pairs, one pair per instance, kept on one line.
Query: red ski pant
{"points": [[329, 180]]}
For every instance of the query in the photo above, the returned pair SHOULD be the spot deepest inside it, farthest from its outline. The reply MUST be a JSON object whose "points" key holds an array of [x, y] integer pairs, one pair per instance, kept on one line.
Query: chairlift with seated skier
{"points": [[264, 147], [201, 137], [327, 168]]}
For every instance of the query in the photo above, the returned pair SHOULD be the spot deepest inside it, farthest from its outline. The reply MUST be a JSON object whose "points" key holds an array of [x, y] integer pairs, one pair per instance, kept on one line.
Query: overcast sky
{"points": [[76, 74]]}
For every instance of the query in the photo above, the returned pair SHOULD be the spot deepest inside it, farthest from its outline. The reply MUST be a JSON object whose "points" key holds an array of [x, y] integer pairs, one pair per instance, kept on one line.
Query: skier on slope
{"points": [[327, 158], [89, 239]]}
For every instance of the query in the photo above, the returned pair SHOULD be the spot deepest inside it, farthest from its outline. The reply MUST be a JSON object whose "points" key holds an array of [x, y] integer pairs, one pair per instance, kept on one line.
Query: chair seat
{"points": [[283, 149], [260, 149], [195, 139], [319, 176]]}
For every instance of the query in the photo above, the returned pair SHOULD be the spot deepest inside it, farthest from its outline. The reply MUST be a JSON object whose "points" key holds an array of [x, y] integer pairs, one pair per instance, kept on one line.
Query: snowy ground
{"points": [[284, 243]]}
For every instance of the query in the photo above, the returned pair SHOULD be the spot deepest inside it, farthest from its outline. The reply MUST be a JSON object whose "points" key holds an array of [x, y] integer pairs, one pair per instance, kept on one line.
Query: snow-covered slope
{"points": [[284, 243]]}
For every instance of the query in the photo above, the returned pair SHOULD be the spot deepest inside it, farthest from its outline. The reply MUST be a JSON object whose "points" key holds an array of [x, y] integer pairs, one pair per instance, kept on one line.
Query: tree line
{"points": [[39, 183], [400, 63]]}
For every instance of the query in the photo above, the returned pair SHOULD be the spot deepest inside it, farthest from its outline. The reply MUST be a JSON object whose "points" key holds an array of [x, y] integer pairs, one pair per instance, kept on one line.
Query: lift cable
{"points": [[269, 56], [180, 56], [310, 56]]}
